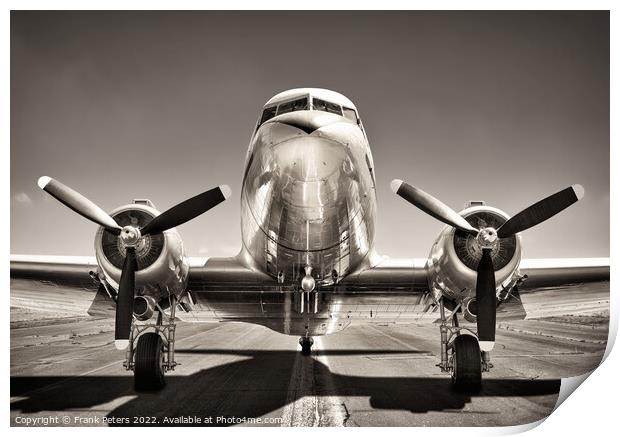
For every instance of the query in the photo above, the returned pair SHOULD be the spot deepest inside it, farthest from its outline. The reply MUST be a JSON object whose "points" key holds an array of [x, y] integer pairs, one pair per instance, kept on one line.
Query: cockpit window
{"points": [[268, 113], [350, 114], [295, 105], [322, 105], [303, 104]]}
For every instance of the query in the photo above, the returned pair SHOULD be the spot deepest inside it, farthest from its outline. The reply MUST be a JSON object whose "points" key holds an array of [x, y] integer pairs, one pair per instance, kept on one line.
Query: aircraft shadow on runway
{"points": [[253, 386]]}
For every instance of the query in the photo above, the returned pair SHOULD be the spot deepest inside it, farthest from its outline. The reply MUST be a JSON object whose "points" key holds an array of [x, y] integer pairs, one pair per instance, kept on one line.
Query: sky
{"points": [[505, 107]]}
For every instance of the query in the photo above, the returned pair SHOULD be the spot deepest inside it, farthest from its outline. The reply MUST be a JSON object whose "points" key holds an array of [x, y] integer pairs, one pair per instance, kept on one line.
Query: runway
{"points": [[65, 370]]}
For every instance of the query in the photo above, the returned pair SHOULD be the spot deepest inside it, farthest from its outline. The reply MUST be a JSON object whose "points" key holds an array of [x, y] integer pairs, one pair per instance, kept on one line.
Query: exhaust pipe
{"points": [[470, 310], [144, 307]]}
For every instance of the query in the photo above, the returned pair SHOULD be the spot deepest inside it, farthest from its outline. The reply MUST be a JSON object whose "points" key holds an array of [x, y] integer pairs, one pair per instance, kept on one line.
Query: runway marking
{"points": [[334, 410], [553, 362], [402, 343], [303, 406], [299, 399], [544, 334], [423, 356], [550, 354]]}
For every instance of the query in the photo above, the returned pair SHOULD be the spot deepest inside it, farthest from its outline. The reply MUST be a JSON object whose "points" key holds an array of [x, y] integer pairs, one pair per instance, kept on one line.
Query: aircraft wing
{"points": [[565, 286], [550, 287], [398, 288], [562, 271], [65, 284], [58, 284], [384, 275]]}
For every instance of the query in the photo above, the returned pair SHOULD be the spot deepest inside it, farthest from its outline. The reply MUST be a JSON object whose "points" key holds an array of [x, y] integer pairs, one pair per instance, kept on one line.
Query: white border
{"points": [[591, 410]]}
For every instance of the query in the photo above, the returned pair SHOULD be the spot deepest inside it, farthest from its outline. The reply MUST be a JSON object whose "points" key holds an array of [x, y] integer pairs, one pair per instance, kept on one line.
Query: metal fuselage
{"points": [[308, 197], [308, 204], [308, 200]]}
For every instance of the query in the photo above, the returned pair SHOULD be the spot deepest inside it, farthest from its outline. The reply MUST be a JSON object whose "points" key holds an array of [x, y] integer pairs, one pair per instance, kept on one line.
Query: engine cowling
{"points": [[454, 257], [162, 265]]}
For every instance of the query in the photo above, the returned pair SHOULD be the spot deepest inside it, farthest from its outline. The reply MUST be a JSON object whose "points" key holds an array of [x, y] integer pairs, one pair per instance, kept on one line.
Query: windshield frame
{"points": [[327, 102], [275, 107], [286, 102]]}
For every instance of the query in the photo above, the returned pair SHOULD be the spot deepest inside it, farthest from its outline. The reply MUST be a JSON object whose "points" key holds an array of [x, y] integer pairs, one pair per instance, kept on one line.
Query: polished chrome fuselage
{"points": [[308, 197], [308, 200], [308, 203]]}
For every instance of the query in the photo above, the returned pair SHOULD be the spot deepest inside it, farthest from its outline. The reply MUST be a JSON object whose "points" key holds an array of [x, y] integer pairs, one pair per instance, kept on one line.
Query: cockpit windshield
{"points": [[350, 114], [303, 104], [322, 105], [268, 113], [283, 108], [295, 105]]}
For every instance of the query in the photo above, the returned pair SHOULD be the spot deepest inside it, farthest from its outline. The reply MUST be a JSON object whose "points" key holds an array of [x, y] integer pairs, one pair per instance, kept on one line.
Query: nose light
{"points": [[308, 283]]}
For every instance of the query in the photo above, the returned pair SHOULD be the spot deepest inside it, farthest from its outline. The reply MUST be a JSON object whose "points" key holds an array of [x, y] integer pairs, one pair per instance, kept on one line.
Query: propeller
{"points": [[130, 237], [485, 301], [541, 211], [124, 301], [78, 203], [487, 239], [432, 206]]}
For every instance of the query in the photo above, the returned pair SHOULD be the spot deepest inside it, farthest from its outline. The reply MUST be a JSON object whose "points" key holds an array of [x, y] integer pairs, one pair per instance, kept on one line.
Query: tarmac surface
{"points": [[65, 371]]}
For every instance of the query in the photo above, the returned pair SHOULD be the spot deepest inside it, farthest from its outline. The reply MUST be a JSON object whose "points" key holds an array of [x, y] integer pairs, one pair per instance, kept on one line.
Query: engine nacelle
{"points": [[162, 265], [454, 257]]}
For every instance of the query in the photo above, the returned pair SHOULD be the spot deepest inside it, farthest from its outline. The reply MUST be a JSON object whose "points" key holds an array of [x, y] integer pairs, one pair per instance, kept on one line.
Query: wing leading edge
{"points": [[47, 282]]}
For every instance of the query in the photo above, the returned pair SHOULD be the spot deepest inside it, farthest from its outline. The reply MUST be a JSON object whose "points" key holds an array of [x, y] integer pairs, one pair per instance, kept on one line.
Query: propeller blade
{"points": [[431, 206], [486, 301], [78, 203], [124, 301], [187, 210], [541, 211]]}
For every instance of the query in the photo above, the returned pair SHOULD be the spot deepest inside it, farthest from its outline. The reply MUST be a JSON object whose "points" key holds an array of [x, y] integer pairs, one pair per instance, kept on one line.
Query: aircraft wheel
{"points": [[467, 366], [149, 363], [306, 345]]}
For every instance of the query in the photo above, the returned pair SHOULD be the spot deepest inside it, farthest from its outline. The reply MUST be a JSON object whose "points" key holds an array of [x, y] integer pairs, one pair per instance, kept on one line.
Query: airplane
{"points": [[308, 265]]}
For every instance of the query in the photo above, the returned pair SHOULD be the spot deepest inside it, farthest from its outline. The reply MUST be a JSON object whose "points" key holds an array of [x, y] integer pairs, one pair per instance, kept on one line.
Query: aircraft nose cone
{"points": [[307, 121], [310, 158]]}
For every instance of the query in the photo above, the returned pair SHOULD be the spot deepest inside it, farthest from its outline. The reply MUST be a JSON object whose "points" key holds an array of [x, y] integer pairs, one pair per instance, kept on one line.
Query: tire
{"points": [[467, 364], [306, 347], [148, 363]]}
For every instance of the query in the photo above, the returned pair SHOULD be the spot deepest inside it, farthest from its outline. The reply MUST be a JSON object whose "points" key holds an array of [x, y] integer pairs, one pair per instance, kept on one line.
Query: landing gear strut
{"points": [[460, 353], [151, 350], [306, 345]]}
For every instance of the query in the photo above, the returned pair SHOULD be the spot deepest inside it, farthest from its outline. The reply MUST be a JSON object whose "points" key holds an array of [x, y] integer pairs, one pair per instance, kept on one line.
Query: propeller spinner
{"points": [[487, 238], [130, 237]]}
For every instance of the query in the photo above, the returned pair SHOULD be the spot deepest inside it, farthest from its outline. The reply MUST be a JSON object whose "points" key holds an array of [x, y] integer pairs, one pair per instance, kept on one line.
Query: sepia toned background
{"points": [[505, 107]]}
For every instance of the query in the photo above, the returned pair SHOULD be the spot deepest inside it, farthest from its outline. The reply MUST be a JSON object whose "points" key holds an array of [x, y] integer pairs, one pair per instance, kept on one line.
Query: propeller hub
{"points": [[487, 238], [130, 236]]}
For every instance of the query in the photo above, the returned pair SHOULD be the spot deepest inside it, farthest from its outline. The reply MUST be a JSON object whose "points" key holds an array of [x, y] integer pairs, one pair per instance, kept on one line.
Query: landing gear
{"points": [[149, 362], [306, 345], [466, 363], [460, 353], [151, 350]]}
